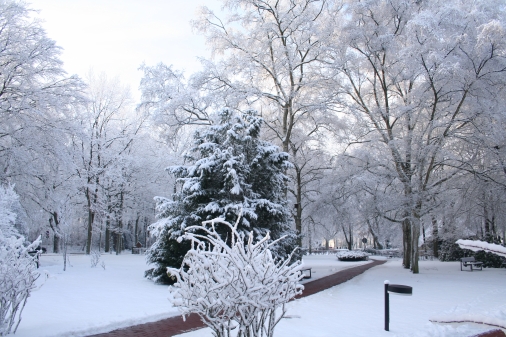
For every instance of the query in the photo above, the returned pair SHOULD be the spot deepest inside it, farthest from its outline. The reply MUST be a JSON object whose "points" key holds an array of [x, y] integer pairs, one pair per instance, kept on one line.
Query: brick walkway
{"points": [[175, 325]]}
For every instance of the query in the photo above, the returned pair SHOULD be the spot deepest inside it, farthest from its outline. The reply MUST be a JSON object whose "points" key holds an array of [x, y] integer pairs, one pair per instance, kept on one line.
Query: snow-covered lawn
{"points": [[85, 300], [356, 308]]}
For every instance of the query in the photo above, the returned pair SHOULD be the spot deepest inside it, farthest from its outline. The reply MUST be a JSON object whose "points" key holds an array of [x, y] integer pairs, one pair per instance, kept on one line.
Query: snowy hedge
{"points": [[352, 255], [234, 284], [477, 245]]}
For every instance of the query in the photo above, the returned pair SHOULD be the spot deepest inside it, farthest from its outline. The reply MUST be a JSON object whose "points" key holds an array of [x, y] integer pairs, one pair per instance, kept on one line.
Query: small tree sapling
{"points": [[231, 286]]}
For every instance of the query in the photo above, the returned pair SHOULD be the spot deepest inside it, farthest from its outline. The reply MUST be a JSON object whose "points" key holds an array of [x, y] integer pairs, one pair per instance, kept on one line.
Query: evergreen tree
{"points": [[231, 172]]}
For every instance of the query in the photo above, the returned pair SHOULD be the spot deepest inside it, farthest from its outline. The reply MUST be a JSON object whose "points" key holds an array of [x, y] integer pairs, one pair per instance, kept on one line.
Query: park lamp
{"points": [[394, 289]]}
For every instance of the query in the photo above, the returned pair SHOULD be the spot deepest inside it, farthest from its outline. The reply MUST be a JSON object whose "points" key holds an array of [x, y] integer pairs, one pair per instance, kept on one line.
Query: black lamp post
{"points": [[396, 289]]}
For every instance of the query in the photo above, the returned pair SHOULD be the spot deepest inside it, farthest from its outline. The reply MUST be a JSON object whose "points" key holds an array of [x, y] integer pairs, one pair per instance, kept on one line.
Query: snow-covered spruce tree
{"points": [[230, 169], [18, 271], [236, 285]]}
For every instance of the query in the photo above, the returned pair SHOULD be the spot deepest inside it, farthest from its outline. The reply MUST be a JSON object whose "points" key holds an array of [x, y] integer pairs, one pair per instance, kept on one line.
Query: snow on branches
{"points": [[234, 283], [476, 245], [18, 273], [8, 200], [18, 270]]}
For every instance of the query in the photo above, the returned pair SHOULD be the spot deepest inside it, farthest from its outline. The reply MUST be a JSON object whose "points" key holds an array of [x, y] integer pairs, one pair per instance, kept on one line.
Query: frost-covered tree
{"points": [[235, 285], [34, 92], [415, 76], [230, 170], [8, 201], [36, 103], [270, 57], [103, 150]]}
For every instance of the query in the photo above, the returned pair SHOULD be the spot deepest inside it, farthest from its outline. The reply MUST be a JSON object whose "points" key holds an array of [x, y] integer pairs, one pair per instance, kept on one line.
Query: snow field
{"points": [[83, 301], [356, 308]]}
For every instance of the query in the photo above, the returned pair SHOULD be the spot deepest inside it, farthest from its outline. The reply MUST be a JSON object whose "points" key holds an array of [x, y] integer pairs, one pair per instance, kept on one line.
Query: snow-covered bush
{"points": [[94, 258], [235, 285], [352, 255], [492, 255], [18, 270], [18, 273]]}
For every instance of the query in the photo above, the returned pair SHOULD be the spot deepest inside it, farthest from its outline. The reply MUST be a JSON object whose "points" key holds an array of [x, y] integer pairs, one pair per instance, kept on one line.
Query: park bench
{"points": [[426, 256], [470, 262], [304, 271]]}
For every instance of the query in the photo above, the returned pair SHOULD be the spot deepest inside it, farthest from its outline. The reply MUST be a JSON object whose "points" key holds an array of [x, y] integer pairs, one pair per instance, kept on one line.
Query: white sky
{"points": [[117, 36]]}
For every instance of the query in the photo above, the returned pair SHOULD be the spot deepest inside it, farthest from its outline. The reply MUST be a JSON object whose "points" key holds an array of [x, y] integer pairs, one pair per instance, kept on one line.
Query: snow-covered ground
{"points": [[84, 300], [440, 291], [326, 264]]}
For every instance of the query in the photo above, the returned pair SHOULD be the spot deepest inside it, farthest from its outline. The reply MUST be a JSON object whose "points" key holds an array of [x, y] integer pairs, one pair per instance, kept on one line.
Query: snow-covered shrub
{"points": [[352, 255], [490, 260], [450, 251], [235, 285], [492, 255], [18, 273], [18, 270], [94, 258]]}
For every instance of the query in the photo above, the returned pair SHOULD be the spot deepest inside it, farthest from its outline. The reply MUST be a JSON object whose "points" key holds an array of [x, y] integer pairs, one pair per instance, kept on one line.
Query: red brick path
{"points": [[492, 333], [175, 325]]}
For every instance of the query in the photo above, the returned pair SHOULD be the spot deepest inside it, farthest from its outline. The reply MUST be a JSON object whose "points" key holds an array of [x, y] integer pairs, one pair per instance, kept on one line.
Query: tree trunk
{"points": [[136, 231], [56, 244], [415, 235], [376, 243], [54, 223], [435, 238], [146, 232], [350, 245], [298, 209], [310, 239], [91, 216], [64, 254], [406, 241], [107, 246], [119, 243], [348, 239]]}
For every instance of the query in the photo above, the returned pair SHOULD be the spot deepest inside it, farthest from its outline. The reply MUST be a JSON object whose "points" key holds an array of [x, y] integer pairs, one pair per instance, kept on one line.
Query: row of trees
{"points": [[392, 111], [81, 159]]}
